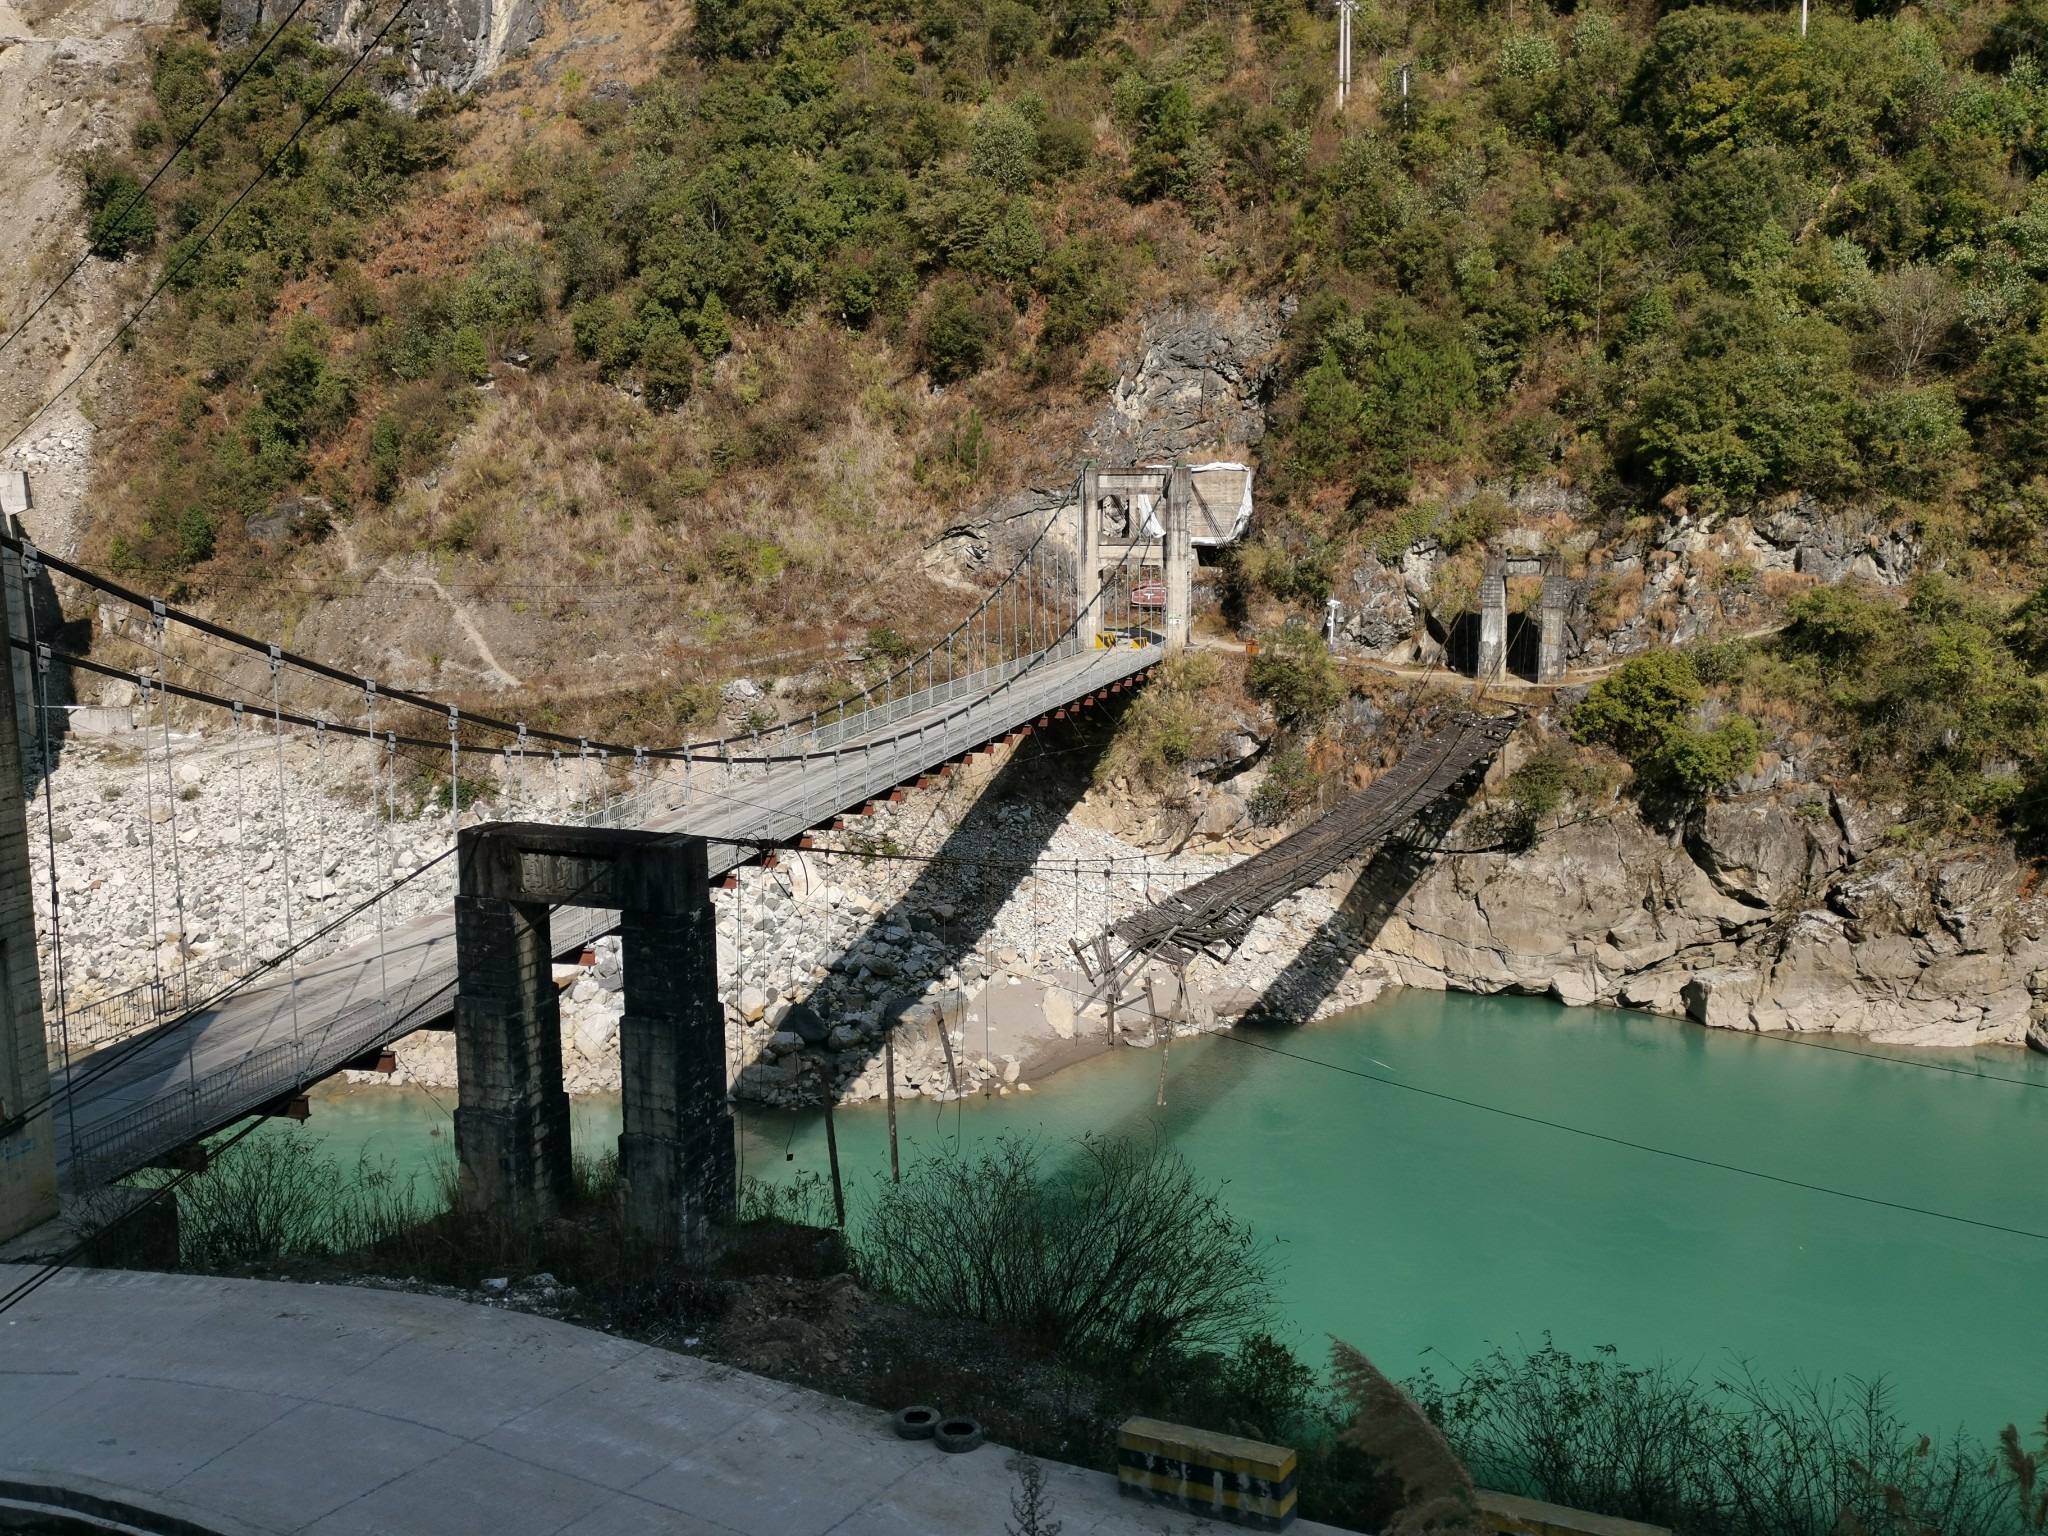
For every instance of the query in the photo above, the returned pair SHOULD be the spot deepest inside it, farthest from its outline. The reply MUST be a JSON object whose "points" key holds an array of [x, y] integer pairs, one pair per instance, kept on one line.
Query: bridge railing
{"points": [[87, 1026], [180, 1112]]}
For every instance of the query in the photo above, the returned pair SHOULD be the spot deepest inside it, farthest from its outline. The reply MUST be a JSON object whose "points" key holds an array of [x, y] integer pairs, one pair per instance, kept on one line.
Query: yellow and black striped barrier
{"points": [[1242, 1481]]}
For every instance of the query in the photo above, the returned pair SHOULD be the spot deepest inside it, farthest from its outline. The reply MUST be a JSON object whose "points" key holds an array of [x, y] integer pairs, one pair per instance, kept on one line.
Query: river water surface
{"points": [[1423, 1229]]}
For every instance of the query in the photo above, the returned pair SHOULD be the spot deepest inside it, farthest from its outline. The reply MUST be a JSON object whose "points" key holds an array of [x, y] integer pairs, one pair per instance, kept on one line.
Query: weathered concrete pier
{"points": [[676, 1156], [28, 1136]]}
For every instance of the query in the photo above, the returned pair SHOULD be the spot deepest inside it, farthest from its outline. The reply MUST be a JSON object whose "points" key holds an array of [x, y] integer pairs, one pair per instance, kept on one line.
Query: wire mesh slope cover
{"points": [[1214, 915]]}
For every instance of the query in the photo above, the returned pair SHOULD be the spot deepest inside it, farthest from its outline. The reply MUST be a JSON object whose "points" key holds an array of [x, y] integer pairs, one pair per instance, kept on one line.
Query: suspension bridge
{"points": [[196, 1050], [1034, 648]]}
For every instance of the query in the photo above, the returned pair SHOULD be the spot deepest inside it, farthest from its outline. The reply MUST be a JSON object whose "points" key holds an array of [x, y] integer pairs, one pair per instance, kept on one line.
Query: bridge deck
{"points": [[1215, 914], [120, 1108]]}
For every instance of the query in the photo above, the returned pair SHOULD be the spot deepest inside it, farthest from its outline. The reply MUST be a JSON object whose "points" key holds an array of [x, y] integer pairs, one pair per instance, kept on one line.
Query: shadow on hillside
{"points": [[985, 858]]}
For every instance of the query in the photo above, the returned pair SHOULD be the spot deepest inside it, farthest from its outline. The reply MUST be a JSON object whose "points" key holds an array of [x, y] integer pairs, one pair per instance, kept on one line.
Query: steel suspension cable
{"points": [[284, 840], [241, 840], [170, 160], [149, 840]]}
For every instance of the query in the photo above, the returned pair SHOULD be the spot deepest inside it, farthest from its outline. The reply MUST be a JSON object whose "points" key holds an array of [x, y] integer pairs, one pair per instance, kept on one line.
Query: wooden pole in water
{"points": [[889, 1067], [832, 1153]]}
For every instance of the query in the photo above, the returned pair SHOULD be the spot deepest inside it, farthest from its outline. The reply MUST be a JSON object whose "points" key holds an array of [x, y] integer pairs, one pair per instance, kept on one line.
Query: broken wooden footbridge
{"points": [[1214, 916]]}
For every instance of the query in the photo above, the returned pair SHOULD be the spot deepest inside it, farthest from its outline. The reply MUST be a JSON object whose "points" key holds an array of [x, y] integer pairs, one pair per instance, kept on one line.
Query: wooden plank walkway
{"points": [[1214, 915]]}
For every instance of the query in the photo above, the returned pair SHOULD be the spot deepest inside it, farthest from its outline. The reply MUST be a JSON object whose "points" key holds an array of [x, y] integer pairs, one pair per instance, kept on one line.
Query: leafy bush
{"points": [[961, 331], [1002, 148], [1084, 291], [1536, 790], [1289, 784], [1115, 1255], [1389, 388], [120, 220], [1293, 676], [1645, 709], [300, 394], [1173, 722], [1933, 695]]}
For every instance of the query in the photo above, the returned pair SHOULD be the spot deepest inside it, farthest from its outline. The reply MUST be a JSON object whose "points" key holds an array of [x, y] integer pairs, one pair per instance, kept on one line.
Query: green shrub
{"points": [[1293, 676], [668, 365], [1751, 404], [386, 456], [301, 395], [1388, 390], [1174, 721], [961, 332], [196, 528], [1737, 1457], [120, 220], [1115, 1254], [1934, 694], [1002, 147], [1085, 291], [1535, 791], [1645, 710], [1289, 784]]}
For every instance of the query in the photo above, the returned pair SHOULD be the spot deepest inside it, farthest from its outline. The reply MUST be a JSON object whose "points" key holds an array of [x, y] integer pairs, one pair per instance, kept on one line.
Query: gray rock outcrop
{"points": [[1200, 387], [452, 43], [1768, 912]]}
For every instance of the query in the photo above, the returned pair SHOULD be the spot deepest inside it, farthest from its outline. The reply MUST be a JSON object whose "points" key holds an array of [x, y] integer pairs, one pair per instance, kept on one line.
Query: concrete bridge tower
{"points": [[676, 1155], [1493, 620], [28, 1132]]}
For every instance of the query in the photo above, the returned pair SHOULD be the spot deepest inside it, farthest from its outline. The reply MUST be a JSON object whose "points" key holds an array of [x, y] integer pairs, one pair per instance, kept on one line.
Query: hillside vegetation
{"points": [[750, 318]]}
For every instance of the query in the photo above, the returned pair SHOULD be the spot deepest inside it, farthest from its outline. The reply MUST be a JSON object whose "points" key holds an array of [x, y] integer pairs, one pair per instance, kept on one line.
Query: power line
{"points": [[713, 750], [1900, 1061], [1637, 1146], [212, 229], [157, 175]]}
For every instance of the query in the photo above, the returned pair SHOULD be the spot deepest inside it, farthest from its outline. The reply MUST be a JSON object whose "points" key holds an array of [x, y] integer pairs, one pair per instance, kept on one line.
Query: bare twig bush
{"points": [[1738, 1457], [1117, 1255], [1031, 1500], [270, 1198]]}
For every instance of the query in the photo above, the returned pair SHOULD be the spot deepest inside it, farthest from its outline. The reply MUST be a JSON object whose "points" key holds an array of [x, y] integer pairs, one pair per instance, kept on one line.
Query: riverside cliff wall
{"points": [[1782, 910]]}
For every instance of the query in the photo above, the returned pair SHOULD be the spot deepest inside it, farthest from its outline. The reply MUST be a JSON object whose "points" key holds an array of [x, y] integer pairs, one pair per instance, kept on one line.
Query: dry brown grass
{"points": [[611, 556]]}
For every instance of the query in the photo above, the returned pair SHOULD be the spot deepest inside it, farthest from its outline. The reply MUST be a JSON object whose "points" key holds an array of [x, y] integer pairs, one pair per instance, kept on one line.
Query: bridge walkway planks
{"points": [[1215, 914]]}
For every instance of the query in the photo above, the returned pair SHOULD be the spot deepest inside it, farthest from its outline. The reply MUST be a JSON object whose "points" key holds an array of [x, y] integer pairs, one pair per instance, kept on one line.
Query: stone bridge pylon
{"points": [[676, 1157]]}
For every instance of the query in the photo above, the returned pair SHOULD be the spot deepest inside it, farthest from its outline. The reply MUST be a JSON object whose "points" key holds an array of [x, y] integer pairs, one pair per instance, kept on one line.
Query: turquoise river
{"points": [[1424, 1229]]}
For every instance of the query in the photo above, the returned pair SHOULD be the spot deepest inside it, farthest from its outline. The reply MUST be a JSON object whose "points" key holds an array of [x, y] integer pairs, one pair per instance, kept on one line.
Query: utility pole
{"points": [[1345, 8], [1803, 4]]}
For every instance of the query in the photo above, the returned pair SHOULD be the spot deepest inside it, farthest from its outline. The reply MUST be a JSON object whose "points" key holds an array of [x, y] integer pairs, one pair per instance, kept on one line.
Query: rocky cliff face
{"points": [[1199, 386], [452, 43], [1694, 577], [1780, 910]]}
